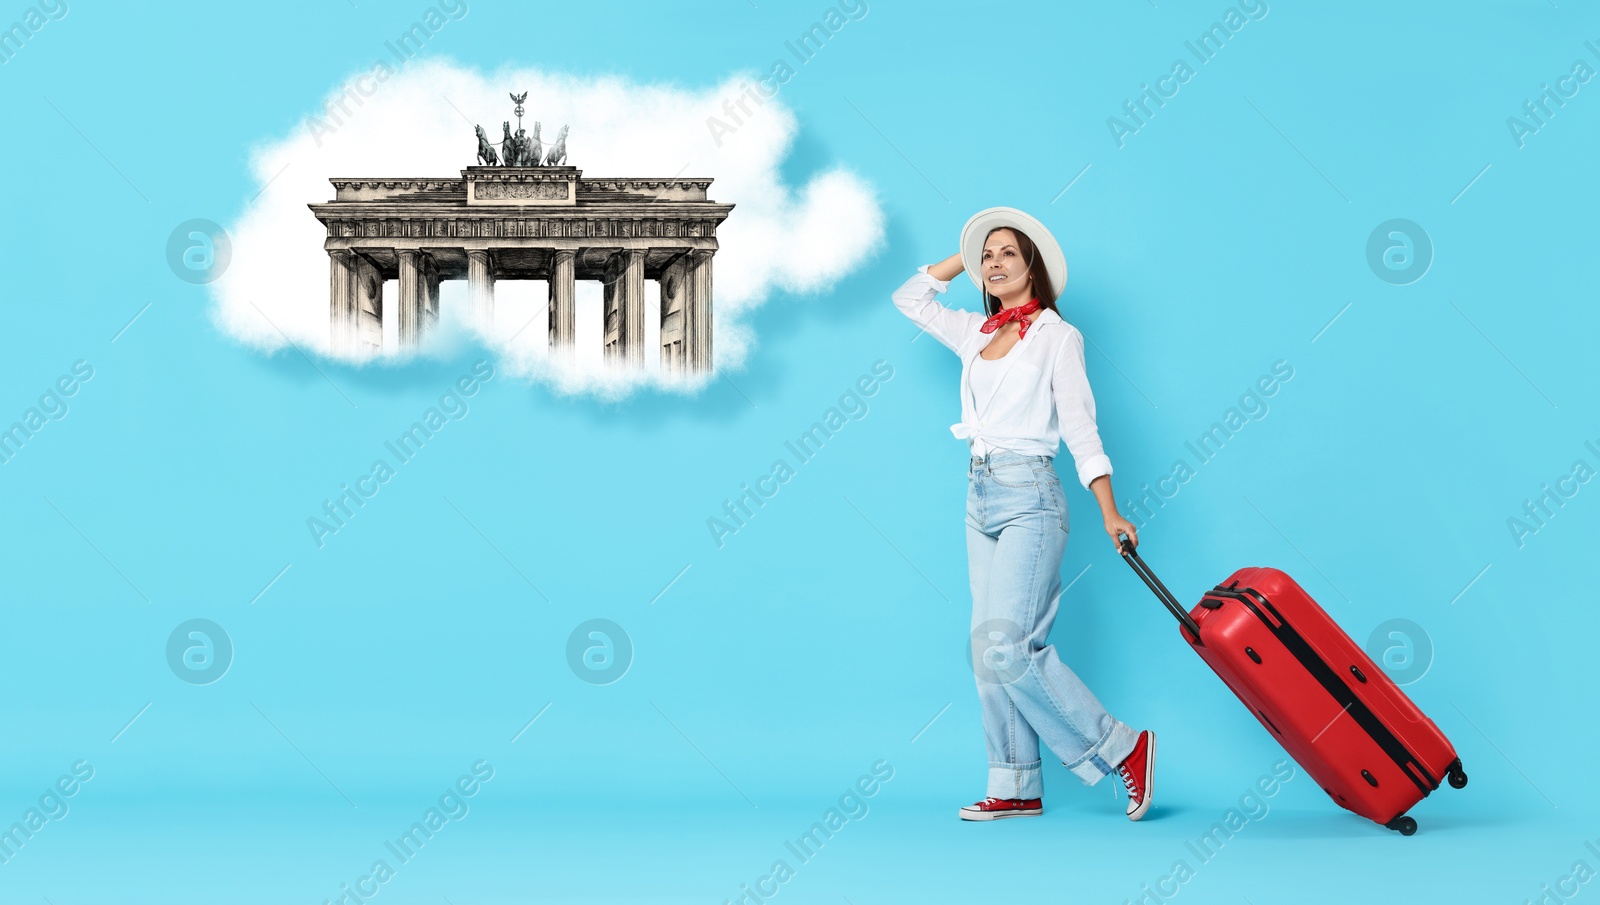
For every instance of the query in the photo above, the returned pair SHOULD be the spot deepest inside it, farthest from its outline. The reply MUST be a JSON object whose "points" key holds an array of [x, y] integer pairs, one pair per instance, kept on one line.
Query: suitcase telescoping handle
{"points": [[1159, 589]]}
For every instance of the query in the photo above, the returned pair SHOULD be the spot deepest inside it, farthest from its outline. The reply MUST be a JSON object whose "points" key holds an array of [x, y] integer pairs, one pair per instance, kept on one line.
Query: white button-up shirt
{"points": [[1041, 397]]}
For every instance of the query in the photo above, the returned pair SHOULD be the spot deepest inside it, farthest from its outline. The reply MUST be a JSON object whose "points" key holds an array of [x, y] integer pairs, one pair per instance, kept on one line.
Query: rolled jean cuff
{"points": [[1015, 780], [1104, 755]]}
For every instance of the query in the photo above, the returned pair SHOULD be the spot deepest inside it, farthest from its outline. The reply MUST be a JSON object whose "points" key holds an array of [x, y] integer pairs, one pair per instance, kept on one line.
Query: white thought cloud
{"points": [[418, 123]]}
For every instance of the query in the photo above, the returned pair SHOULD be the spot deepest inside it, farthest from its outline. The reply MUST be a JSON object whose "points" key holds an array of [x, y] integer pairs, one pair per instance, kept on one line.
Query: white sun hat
{"points": [[985, 221]]}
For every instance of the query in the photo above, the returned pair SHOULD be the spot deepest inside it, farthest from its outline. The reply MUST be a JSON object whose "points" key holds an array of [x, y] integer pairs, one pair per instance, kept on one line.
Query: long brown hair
{"points": [[1038, 274]]}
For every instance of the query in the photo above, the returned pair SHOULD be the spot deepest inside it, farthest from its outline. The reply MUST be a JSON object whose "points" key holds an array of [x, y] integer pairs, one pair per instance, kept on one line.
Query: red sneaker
{"points": [[995, 808], [1137, 770]]}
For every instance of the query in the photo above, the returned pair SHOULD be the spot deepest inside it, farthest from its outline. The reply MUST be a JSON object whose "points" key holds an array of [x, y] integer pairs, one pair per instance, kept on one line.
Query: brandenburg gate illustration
{"points": [[530, 217]]}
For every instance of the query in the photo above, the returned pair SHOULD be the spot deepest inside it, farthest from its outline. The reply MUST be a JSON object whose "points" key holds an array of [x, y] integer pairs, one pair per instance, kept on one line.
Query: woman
{"points": [[1023, 392]]}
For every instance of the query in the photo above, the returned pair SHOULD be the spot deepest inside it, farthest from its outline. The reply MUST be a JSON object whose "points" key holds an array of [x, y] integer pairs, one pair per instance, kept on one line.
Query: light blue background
{"points": [[828, 633]]}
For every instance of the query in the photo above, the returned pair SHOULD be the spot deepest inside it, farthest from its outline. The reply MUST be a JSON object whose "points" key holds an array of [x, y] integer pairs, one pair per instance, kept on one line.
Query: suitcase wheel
{"points": [[1405, 825], [1457, 776]]}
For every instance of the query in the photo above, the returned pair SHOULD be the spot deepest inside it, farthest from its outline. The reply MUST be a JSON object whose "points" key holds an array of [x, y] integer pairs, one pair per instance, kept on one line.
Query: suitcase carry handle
{"points": [[1159, 589]]}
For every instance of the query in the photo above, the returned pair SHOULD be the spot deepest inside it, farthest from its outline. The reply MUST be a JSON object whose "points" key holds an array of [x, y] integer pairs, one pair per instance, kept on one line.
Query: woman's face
{"points": [[1005, 273]]}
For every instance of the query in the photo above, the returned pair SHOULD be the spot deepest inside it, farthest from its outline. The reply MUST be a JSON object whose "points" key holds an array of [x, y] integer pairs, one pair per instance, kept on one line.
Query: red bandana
{"points": [[1019, 313]]}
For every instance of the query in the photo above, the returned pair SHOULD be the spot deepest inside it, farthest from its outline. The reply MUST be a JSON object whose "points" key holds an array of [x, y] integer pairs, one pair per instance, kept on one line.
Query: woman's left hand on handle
{"points": [[1115, 525]]}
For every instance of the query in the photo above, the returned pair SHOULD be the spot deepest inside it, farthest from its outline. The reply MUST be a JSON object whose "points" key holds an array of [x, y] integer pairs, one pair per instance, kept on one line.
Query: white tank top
{"points": [[985, 374]]}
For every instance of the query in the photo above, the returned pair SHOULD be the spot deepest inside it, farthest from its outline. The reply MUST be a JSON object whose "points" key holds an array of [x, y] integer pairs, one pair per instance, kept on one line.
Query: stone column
{"points": [[480, 288], [697, 332], [410, 298], [419, 295], [368, 304], [611, 328], [341, 301], [624, 292], [674, 283], [430, 296], [563, 330]]}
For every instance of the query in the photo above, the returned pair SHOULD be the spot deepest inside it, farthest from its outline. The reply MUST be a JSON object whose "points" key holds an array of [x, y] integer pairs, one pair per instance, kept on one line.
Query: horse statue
{"points": [[486, 154], [558, 151], [535, 147], [508, 146]]}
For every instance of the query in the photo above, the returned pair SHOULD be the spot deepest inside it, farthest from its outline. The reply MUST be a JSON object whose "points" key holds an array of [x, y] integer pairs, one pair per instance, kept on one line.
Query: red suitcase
{"points": [[1317, 692]]}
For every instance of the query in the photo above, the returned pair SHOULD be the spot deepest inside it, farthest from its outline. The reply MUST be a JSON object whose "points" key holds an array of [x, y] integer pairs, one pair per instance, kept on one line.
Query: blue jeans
{"points": [[1016, 535]]}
